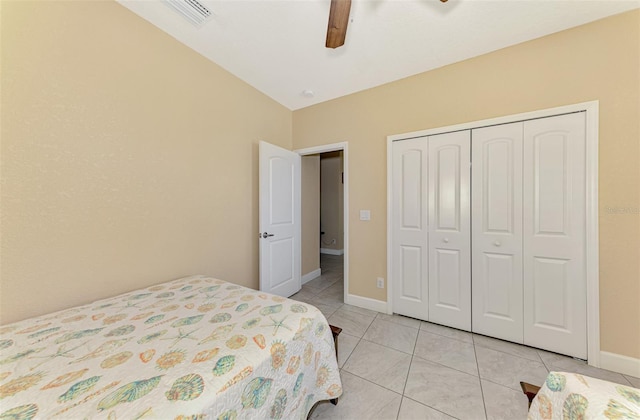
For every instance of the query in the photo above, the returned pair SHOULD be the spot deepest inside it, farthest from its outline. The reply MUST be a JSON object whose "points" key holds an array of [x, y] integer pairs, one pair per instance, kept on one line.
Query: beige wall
{"points": [[598, 61], [310, 213], [331, 200], [127, 158]]}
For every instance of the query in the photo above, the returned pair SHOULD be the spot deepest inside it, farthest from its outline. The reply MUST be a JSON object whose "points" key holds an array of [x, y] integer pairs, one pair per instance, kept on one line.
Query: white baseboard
{"points": [[306, 278], [366, 303], [619, 363], [332, 251]]}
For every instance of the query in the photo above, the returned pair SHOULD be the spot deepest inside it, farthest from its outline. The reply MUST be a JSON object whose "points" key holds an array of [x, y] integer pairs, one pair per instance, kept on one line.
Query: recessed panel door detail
{"points": [[449, 230], [409, 232], [281, 178], [496, 247], [554, 234]]}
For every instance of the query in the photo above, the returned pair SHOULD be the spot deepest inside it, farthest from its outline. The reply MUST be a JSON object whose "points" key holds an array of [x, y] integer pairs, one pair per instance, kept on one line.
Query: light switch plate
{"points": [[365, 214]]}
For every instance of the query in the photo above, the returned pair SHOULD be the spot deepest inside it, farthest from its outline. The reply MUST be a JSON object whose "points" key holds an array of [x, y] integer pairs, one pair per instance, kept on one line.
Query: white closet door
{"points": [[449, 230], [497, 231], [410, 232], [554, 229]]}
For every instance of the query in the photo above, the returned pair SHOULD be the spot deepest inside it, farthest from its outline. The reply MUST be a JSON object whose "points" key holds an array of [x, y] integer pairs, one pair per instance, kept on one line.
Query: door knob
{"points": [[445, 240], [497, 243], [266, 235]]}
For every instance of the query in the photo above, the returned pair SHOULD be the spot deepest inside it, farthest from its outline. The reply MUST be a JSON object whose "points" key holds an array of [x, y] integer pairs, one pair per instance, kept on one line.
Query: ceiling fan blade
{"points": [[338, 20]]}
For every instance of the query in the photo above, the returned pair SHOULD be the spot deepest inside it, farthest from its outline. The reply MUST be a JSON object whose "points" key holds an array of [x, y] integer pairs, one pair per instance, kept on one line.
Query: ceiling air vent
{"points": [[194, 11]]}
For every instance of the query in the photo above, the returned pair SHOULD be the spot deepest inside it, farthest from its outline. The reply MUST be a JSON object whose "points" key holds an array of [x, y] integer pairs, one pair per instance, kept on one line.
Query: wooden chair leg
{"points": [[336, 332], [530, 391]]}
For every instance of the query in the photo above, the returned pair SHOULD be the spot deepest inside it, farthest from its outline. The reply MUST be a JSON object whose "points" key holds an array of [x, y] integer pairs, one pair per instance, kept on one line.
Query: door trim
{"points": [[592, 247], [334, 147]]}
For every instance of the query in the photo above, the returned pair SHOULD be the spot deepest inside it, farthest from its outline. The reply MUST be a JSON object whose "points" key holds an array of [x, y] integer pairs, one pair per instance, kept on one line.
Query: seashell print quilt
{"points": [[573, 396], [193, 348]]}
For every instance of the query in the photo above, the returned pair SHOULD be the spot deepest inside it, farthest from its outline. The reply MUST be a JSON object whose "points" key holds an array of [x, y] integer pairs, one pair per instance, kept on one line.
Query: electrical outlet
{"points": [[380, 283]]}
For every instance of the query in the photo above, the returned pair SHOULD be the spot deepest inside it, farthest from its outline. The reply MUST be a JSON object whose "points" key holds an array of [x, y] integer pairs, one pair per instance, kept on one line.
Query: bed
{"points": [[574, 396], [192, 348]]}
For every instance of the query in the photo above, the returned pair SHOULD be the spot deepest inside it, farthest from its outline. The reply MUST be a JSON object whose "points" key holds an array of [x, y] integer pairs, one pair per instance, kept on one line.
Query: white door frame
{"points": [[592, 251], [345, 169]]}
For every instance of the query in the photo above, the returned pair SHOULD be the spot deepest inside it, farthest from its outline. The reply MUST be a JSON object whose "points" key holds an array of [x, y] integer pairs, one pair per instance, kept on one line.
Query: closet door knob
{"points": [[445, 240], [497, 243]]}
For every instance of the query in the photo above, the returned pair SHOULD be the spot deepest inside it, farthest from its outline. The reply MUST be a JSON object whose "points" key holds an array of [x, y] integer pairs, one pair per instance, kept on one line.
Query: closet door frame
{"points": [[592, 251]]}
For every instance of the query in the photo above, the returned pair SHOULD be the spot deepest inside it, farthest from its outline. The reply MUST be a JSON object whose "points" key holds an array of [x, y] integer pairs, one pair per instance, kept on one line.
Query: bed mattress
{"points": [[192, 348]]}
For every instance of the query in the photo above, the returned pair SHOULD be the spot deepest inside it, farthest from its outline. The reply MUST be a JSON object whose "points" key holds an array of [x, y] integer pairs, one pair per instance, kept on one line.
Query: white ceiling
{"points": [[277, 46]]}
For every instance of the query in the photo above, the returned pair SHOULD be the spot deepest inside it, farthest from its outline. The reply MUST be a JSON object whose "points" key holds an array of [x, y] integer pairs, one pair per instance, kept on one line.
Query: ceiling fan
{"points": [[338, 21]]}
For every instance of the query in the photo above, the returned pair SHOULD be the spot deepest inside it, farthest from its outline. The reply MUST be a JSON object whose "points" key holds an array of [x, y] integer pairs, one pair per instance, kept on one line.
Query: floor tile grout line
{"points": [[360, 313], [348, 357], [446, 336], [545, 365], [511, 354], [413, 353], [433, 408], [539, 357], [475, 358], [400, 406], [371, 382], [356, 346], [354, 349], [502, 385], [397, 323], [394, 323], [368, 326], [385, 346], [484, 403], [537, 350], [378, 385], [448, 367], [482, 378], [406, 379]]}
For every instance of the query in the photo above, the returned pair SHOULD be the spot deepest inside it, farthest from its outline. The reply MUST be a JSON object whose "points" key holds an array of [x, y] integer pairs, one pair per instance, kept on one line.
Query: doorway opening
{"points": [[325, 255]]}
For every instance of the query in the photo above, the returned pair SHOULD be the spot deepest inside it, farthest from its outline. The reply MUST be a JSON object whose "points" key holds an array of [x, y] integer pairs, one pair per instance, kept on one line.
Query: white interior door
{"points": [[496, 246], [280, 228], [554, 234], [410, 231], [449, 230]]}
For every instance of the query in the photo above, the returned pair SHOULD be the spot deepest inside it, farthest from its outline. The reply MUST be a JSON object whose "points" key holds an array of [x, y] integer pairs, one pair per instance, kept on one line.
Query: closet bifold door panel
{"points": [[554, 234], [449, 229], [410, 232], [496, 246]]}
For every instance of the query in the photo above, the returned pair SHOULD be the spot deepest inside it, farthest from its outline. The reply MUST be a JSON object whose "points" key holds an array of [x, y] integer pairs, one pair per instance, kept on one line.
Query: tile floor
{"points": [[394, 367]]}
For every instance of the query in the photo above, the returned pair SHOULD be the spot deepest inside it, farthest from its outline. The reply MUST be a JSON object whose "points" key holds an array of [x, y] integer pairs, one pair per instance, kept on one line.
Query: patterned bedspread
{"points": [[192, 348], [573, 396]]}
